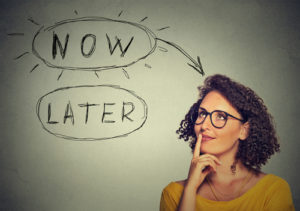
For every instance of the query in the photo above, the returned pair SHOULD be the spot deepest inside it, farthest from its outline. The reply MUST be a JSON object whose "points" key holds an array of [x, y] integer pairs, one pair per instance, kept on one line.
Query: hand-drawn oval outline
{"points": [[149, 33], [92, 86]]}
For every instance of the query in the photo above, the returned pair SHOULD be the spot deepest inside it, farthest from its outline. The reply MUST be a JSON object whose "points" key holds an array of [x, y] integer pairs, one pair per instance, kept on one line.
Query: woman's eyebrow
{"points": [[202, 109], [212, 111]]}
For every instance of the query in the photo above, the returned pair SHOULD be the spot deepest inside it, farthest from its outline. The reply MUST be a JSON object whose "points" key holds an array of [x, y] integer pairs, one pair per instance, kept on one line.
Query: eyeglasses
{"points": [[218, 118]]}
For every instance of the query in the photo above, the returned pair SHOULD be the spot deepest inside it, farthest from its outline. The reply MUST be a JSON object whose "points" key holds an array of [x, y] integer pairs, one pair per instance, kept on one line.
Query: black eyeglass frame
{"points": [[210, 116]]}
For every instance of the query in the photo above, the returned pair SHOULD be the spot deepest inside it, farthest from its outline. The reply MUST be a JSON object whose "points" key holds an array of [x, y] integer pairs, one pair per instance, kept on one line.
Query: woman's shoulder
{"points": [[268, 184], [272, 179], [277, 182], [278, 192], [173, 191], [175, 185]]}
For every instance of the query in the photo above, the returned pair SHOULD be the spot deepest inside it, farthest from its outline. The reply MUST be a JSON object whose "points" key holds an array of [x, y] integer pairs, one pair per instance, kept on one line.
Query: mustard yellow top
{"points": [[271, 193]]}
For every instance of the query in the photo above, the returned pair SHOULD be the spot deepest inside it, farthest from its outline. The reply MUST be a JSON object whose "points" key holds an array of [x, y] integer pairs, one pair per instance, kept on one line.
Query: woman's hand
{"points": [[201, 166]]}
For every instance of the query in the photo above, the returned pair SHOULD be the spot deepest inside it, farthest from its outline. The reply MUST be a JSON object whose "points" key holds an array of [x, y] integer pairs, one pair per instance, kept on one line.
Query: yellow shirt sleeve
{"points": [[167, 202], [280, 197]]}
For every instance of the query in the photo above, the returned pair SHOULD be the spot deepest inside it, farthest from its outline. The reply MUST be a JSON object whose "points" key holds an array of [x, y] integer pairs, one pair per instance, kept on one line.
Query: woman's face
{"points": [[218, 141]]}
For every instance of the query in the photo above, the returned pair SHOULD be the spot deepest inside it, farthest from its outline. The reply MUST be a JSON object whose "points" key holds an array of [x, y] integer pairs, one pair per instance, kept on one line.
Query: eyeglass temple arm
{"points": [[242, 120]]}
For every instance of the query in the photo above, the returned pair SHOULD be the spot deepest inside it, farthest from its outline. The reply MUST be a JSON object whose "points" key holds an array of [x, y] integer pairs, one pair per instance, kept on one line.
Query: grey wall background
{"points": [[256, 43]]}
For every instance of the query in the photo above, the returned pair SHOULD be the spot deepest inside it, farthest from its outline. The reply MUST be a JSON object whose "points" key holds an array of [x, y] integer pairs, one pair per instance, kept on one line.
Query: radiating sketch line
{"points": [[34, 68], [147, 65], [163, 28], [23, 54], [96, 74], [60, 74], [125, 73], [120, 13], [143, 19], [162, 49], [16, 34], [33, 21], [196, 64], [75, 11]]}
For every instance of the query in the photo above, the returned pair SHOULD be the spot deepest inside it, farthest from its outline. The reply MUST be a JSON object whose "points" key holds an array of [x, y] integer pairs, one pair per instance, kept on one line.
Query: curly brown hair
{"points": [[261, 142]]}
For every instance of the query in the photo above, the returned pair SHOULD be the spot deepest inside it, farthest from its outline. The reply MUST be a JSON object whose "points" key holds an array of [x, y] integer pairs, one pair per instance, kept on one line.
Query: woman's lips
{"points": [[206, 138]]}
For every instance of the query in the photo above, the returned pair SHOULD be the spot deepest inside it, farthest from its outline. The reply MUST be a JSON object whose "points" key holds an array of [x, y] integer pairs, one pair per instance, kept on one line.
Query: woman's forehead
{"points": [[214, 100]]}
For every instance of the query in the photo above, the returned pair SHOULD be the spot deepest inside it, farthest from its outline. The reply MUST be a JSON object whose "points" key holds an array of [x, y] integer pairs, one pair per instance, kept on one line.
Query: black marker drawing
{"points": [[143, 19], [163, 28], [147, 65], [119, 44], [99, 50], [15, 34], [162, 49], [95, 44], [197, 64], [91, 112], [34, 68], [23, 54], [125, 73], [60, 74], [33, 21], [96, 74], [120, 13]]}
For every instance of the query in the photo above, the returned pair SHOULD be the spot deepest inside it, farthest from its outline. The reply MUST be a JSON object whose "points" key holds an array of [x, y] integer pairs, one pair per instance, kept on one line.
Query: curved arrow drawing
{"points": [[196, 64]]}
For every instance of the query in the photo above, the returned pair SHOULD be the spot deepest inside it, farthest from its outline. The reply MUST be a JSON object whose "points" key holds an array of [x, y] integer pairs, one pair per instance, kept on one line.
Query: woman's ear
{"points": [[244, 131]]}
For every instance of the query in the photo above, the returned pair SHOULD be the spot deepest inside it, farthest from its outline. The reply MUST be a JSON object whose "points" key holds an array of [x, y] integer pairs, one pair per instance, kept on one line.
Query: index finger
{"points": [[197, 147]]}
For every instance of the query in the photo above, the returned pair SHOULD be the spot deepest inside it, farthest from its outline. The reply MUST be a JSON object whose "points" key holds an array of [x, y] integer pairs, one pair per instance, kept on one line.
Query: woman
{"points": [[232, 136]]}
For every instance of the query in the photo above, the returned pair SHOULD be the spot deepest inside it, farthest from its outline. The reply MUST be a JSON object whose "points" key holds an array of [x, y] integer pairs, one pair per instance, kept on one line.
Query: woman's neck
{"points": [[224, 173]]}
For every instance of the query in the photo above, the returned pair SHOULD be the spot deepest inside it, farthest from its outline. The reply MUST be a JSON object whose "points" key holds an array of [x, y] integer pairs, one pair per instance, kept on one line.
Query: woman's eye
{"points": [[201, 114], [221, 116]]}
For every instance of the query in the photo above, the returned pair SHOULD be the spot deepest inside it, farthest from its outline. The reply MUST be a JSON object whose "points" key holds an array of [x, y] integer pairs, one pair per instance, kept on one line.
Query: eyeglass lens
{"points": [[218, 118]]}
